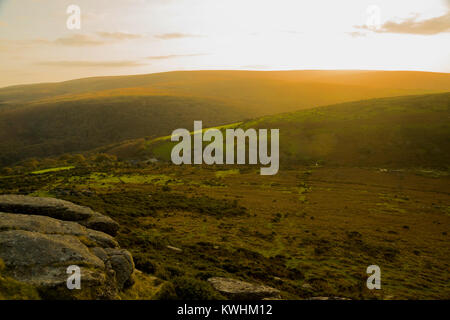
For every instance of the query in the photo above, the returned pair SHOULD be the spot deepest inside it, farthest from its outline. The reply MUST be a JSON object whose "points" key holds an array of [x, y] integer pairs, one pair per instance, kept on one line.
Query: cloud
{"points": [[14, 45], [78, 40], [430, 26], [101, 39], [356, 34], [174, 56], [176, 35], [119, 35], [74, 40], [84, 63]]}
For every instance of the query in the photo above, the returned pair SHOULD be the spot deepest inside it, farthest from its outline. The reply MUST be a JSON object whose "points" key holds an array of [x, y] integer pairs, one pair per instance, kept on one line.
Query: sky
{"points": [[121, 37]]}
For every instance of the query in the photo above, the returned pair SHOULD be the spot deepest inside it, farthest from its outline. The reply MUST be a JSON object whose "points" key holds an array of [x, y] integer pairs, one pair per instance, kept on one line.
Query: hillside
{"points": [[411, 131], [291, 89], [73, 116], [54, 128], [261, 92]]}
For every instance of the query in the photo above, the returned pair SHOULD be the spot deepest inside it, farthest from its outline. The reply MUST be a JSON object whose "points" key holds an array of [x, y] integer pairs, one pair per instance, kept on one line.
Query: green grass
{"points": [[53, 170], [400, 132], [226, 173], [11, 289]]}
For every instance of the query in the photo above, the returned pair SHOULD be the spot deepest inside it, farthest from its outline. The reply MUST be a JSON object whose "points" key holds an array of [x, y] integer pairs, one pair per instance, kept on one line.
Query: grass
{"points": [[53, 170], [225, 173], [11, 289], [308, 231], [353, 134]]}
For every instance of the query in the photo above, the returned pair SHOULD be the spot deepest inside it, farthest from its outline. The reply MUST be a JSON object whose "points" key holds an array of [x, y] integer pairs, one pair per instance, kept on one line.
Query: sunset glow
{"points": [[145, 36]]}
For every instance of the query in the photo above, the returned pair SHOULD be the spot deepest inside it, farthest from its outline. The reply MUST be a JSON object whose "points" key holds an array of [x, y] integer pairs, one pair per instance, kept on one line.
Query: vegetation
{"points": [[11, 289], [360, 183], [186, 288], [51, 119], [399, 132], [308, 231], [54, 128]]}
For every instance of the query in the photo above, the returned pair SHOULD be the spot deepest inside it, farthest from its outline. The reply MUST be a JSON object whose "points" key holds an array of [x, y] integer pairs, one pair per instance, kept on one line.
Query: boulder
{"points": [[122, 263], [42, 259], [240, 290], [39, 249], [47, 225], [174, 248], [328, 298], [58, 209]]}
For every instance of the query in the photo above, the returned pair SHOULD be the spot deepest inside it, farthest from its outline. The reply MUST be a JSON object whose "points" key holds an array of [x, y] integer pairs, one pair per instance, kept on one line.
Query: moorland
{"points": [[364, 177]]}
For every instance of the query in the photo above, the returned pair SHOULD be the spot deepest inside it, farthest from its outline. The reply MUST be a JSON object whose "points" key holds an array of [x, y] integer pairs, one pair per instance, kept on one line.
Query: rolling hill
{"points": [[411, 131], [55, 128], [73, 116], [258, 92]]}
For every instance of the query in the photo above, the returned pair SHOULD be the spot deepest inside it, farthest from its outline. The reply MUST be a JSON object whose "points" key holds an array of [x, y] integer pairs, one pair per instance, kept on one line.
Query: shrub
{"points": [[144, 264], [167, 292], [188, 288]]}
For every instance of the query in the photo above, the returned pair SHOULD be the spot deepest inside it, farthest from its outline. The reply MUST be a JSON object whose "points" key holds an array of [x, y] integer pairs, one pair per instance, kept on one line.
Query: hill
{"points": [[73, 116], [411, 131], [262, 92], [50, 129]]}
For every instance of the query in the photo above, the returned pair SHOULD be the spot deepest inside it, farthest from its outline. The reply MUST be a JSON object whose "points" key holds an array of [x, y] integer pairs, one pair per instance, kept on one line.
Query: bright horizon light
{"points": [[121, 37]]}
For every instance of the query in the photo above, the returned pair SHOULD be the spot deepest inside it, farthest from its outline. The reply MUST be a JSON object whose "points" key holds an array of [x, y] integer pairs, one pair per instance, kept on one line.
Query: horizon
{"points": [[132, 37], [213, 70]]}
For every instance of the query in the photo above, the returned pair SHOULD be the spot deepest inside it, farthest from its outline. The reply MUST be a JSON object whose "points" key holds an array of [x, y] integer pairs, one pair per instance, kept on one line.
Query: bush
{"points": [[7, 171], [144, 264], [187, 288], [103, 157], [167, 292]]}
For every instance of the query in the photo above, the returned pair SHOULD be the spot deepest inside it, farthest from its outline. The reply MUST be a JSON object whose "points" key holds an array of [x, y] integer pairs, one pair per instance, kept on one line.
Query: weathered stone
{"points": [[240, 290], [43, 259], [122, 263], [55, 208], [47, 225], [174, 249], [328, 298], [38, 249], [58, 209], [101, 223]]}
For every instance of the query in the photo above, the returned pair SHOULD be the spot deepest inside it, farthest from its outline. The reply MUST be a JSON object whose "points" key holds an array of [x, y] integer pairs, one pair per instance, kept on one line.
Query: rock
{"points": [[38, 249], [328, 298], [174, 249], [58, 209], [240, 290], [122, 263], [42, 260], [101, 223], [47, 225]]}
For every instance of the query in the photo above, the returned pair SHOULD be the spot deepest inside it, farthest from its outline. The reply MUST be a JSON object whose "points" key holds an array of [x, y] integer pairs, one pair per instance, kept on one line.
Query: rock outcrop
{"points": [[240, 290], [58, 209], [38, 247]]}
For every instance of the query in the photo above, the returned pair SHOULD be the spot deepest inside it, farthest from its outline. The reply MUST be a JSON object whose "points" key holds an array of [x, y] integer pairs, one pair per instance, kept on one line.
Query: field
{"points": [[364, 178], [308, 231]]}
